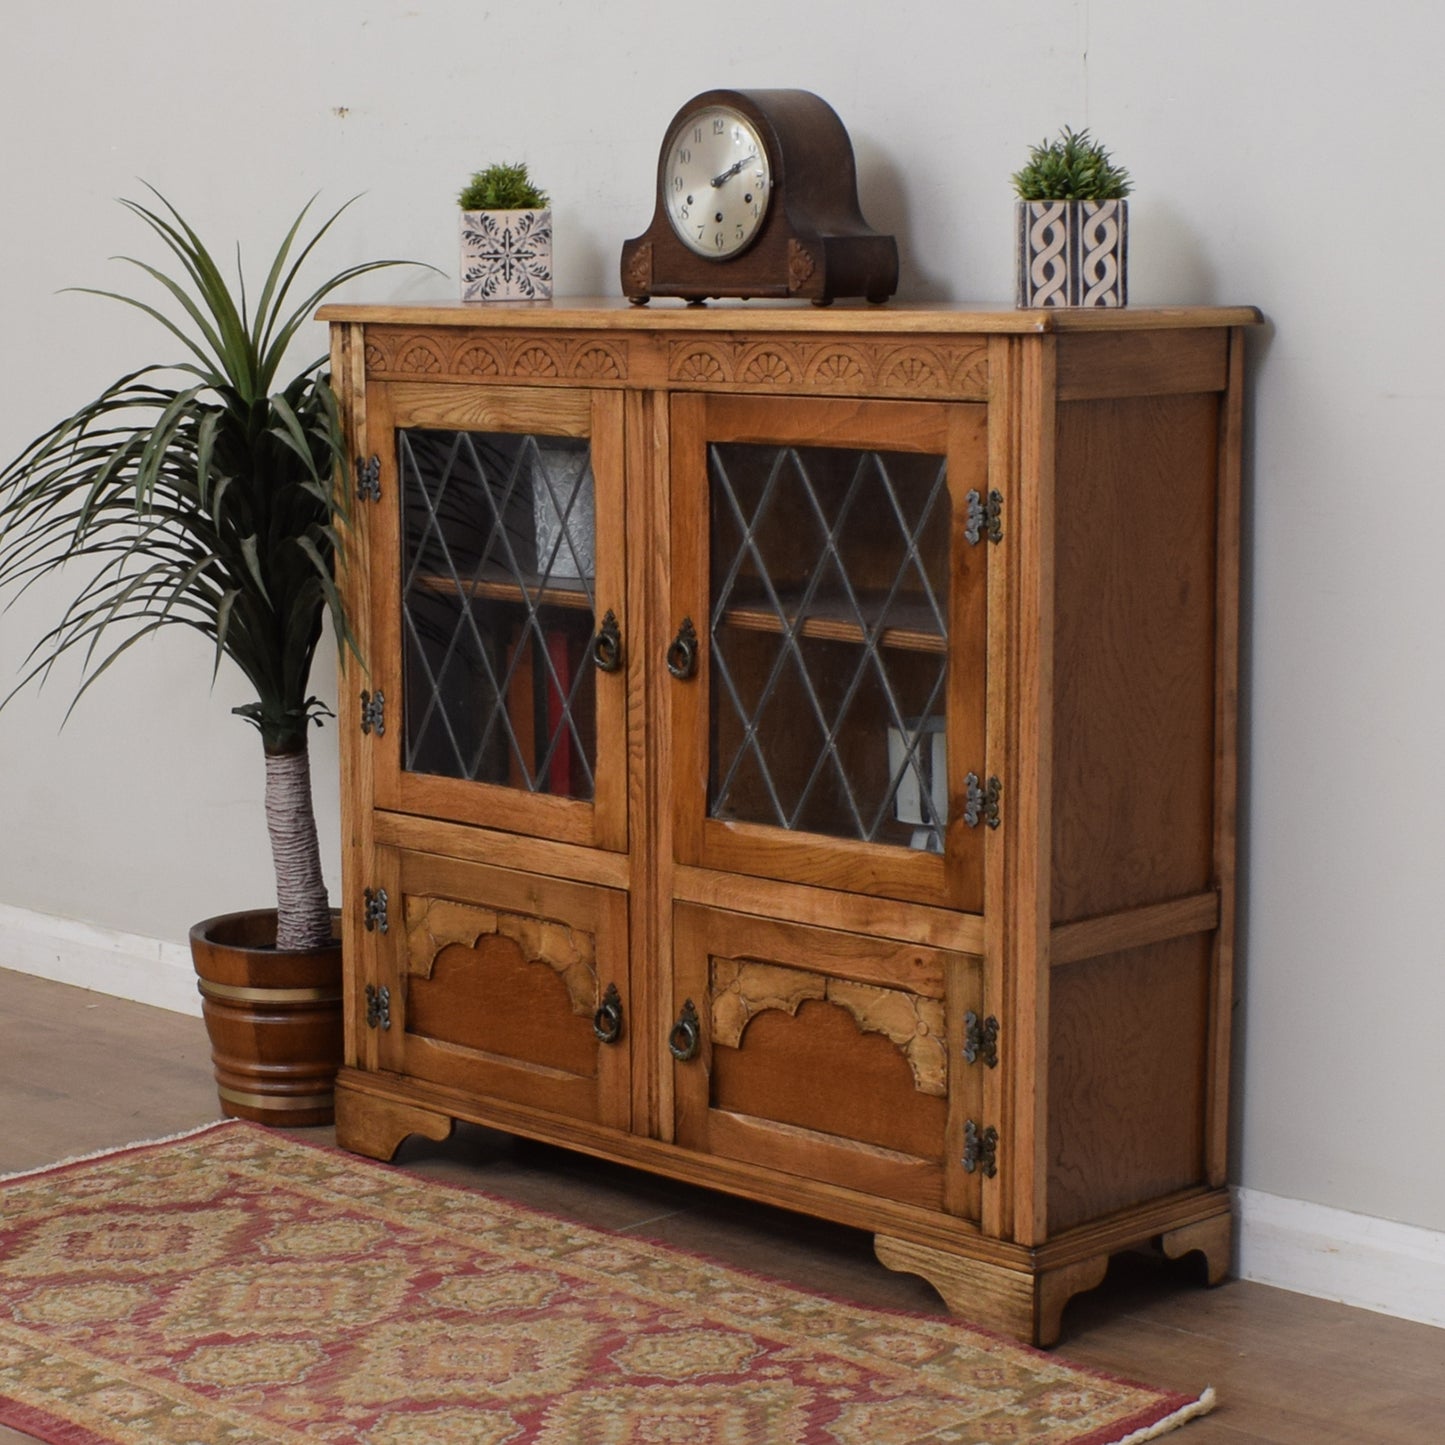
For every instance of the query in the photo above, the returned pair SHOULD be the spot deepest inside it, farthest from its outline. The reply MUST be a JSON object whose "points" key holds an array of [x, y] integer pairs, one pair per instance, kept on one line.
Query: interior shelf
{"points": [[912, 626]]}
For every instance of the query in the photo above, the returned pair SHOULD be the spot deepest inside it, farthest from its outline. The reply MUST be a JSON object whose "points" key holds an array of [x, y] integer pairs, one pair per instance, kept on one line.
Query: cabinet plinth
{"points": [[808, 762]]}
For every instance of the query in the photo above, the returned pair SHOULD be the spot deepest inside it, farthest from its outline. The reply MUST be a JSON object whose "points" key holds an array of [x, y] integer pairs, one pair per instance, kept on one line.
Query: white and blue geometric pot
{"points": [[506, 255], [1072, 253]]}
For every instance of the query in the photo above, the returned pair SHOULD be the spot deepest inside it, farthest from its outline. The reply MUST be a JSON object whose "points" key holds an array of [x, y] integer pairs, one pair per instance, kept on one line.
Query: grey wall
{"points": [[1281, 159]]}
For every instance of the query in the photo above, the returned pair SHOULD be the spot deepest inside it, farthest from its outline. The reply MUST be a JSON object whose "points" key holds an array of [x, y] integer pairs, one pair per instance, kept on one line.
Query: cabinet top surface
{"points": [[615, 313]]}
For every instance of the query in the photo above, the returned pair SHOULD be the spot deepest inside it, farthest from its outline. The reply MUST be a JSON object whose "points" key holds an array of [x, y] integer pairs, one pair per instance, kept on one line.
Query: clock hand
{"points": [[732, 170]]}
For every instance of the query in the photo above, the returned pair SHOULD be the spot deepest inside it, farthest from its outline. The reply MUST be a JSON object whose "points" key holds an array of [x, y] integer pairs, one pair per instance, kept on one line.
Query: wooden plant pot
{"points": [[506, 255], [1072, 253], [274, 1019]]}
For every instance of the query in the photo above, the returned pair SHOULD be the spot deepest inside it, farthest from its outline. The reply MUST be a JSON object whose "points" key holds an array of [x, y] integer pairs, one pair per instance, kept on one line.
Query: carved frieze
{"points": [[528, 356], [434, 924], [740, 989], [840, 366]]}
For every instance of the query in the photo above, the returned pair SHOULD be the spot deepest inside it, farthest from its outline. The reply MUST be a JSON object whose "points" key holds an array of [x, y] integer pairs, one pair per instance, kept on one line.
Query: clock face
{"points": [[716, 182]]}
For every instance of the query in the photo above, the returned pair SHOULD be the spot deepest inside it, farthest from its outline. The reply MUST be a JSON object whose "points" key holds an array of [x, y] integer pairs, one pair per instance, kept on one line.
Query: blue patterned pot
{"points": [[506, 255]]}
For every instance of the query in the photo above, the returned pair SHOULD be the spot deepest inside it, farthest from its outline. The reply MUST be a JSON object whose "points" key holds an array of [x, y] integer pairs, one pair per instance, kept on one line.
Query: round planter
{"points": [[274, 1019]]}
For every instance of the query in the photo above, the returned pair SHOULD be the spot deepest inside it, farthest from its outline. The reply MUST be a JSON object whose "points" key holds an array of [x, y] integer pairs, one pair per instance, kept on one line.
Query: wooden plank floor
{"points": [[80, 1071]]}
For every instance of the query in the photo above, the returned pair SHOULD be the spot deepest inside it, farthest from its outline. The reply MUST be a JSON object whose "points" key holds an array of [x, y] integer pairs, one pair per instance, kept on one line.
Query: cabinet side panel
{"points": [[1134, 652], [1127, 1061]]}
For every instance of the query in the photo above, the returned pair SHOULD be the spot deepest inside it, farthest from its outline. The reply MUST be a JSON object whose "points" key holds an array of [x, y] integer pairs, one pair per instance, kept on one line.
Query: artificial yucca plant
{"points": [[1072, 167], [502, 187], [200, 494]]}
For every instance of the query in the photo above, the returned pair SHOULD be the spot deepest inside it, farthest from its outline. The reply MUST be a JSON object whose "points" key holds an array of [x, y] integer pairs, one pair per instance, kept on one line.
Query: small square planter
{"points": [[506, 255], [1072, 253]]}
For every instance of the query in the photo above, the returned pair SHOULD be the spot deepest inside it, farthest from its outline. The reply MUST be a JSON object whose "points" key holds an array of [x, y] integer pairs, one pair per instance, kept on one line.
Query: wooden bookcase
{"points": [[831, 798]]}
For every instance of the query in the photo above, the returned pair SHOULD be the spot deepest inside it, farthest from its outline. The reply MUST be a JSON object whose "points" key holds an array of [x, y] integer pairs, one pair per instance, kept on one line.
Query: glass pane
{"points": [[497, 609], [829, 641]]}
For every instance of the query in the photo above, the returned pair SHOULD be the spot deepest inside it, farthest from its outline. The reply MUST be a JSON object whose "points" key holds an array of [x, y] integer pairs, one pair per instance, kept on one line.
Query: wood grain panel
{"points": [[1127, 1078], [492, 997], [1134, 648], [778, 1068], [1159, 363]]}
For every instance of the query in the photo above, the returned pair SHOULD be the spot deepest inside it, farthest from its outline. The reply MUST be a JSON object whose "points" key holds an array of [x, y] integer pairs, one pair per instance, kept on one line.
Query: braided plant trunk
{"points": [[303, 913]]}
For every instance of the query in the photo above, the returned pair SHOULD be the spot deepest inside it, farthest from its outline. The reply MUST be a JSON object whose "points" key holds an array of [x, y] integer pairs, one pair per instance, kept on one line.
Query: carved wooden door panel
{"points": [[825, 1054], [829, 592], [505, 986]]}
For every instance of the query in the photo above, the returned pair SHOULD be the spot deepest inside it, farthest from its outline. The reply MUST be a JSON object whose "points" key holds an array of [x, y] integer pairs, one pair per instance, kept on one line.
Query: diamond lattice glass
{"points": [[497, 609], [829, 641]]}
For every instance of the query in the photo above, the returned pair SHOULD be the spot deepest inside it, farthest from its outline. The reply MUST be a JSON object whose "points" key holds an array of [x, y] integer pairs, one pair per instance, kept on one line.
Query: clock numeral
{"points": [[682, 213], [719, 127], [684, 156], [740, 232], [720, 240], [677, 183], [697, 135]]}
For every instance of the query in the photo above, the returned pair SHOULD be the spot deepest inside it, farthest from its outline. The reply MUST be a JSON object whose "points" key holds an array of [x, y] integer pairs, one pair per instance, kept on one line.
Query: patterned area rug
{"points": [[234, 1286]]}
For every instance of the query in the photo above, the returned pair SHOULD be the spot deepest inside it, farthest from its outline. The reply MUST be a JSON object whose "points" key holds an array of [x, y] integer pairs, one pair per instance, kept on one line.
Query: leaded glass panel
{"points": [[497, 609], [829, 641]]}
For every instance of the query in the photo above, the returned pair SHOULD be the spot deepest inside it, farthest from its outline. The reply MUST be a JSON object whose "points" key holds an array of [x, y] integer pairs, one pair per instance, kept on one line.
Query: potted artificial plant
{"points": [[1073, 224], [506, 237], [201, 494]]}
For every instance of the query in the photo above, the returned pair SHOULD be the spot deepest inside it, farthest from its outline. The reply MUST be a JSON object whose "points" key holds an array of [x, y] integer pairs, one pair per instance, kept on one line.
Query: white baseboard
{"points": [[1376, 1264], [124, 965]]}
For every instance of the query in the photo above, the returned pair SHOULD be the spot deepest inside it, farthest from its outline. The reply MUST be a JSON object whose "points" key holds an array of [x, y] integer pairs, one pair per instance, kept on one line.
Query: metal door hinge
{"points": [[373, 911], [373, 712], [980, 1039], [985, 517], [980, 1149], [980, 803], [368, 478], [378, 1007]]}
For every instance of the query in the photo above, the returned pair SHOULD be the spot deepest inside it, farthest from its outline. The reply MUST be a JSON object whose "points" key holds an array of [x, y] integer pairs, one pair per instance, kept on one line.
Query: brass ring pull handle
{"points": [[682, 651], [607, 1021], [607, 645], [685, 1035]]}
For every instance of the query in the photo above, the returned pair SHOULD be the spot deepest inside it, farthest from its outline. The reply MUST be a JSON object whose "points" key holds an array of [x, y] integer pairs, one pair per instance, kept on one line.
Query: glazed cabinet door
{"points": [[828, 689], [498, 617], [501, 985], [825, 1055]]}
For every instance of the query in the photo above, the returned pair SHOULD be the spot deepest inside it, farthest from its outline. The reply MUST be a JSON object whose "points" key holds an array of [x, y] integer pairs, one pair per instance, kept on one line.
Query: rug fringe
{"points": [[115, 1149], [1192, 1411]]}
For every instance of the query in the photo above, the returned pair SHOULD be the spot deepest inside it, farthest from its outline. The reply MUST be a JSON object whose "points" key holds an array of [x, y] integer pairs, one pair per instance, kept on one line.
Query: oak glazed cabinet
{"points": [[796, 755]]}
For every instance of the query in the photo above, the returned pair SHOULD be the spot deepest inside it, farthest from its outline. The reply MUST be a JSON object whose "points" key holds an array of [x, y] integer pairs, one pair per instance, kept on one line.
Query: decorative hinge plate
{"points": [[368, 478], [985, 517], [373, 712], [980, 803], [980, 1149], [980, 1039], [373, 911], [378, 1007]]}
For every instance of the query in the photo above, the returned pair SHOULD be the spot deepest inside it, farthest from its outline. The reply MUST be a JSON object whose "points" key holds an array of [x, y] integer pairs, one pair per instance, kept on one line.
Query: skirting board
{"points": [[1396, 1269], [124, 965], [1375, 1264]]}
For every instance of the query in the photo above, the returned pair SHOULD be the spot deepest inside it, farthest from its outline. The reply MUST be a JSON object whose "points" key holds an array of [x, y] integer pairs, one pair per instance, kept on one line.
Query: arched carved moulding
{"points": [[529, 356], [842, 366], [740, 989], [433, 924]]}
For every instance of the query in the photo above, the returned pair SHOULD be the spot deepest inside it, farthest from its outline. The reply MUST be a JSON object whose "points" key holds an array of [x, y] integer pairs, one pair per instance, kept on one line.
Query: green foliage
{"points": [[502, 188], [196, 494], [1075, 167]]}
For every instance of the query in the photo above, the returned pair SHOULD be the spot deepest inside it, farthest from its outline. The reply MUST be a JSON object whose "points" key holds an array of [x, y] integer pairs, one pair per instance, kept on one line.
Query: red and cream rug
{"points": [[234, 1286]]}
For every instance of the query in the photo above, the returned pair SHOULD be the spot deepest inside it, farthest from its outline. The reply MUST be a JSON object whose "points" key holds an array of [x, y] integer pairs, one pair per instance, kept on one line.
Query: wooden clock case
{"points": [[813, 244]]}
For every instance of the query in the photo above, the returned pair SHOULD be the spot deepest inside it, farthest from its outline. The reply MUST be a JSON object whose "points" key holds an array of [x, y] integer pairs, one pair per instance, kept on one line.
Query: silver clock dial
{"points": [[717, 182]]}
